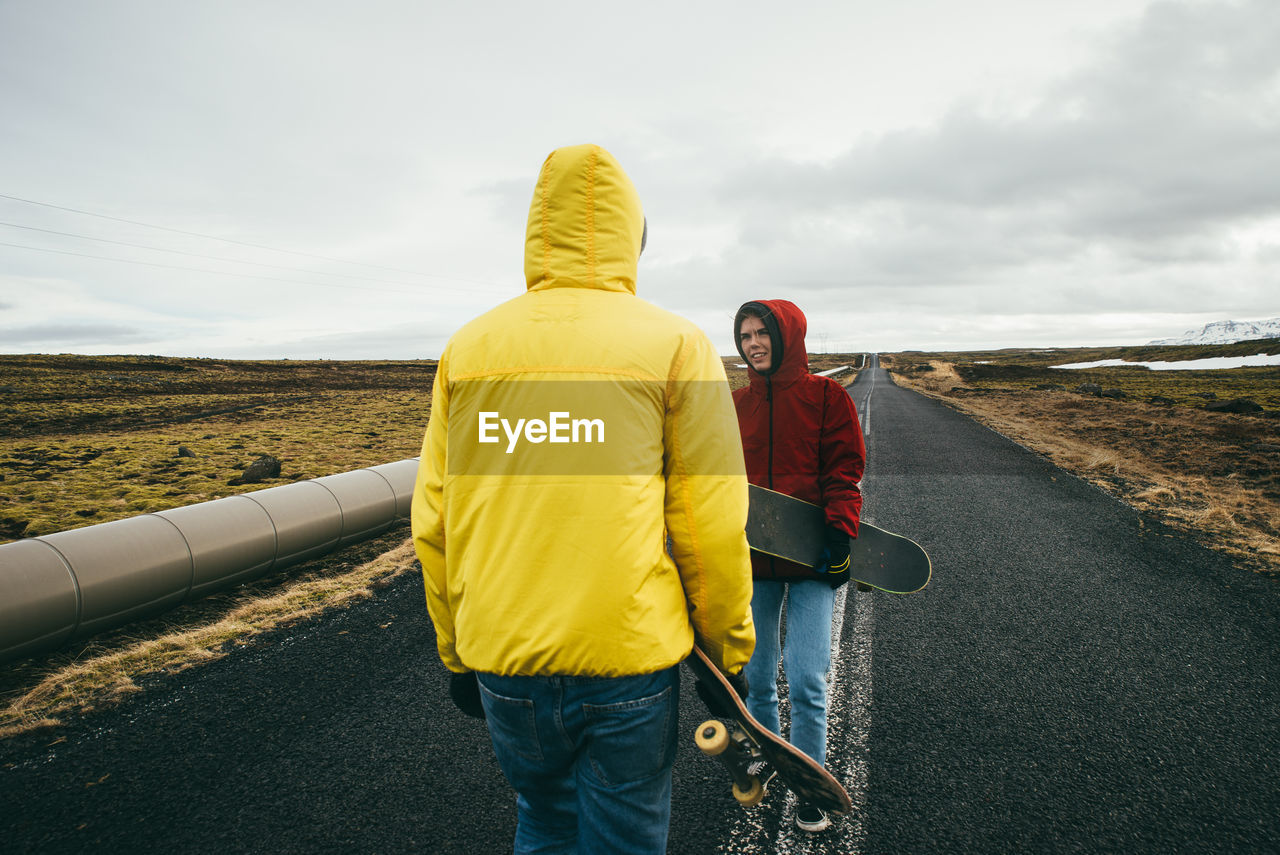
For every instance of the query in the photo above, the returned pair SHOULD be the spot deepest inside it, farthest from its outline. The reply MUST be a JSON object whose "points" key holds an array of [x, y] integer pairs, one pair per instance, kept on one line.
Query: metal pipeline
{"points": [[73, 584]]}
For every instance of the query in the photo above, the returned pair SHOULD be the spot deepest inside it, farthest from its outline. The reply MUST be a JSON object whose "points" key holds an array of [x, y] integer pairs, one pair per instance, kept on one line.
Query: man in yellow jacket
{"points": [[579, 515]]}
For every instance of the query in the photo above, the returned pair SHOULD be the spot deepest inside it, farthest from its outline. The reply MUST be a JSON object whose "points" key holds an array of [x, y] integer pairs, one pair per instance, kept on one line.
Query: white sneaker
{"points": [[811, 818]]}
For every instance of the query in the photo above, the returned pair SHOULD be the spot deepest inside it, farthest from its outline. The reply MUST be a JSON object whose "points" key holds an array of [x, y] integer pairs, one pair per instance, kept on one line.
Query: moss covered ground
{"points": [[89, 439], [1026, 370]]}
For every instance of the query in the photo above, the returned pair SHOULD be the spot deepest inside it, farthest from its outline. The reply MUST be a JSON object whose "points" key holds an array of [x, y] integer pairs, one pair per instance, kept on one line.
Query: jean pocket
{"points": [[632, 740], [512, 726]]}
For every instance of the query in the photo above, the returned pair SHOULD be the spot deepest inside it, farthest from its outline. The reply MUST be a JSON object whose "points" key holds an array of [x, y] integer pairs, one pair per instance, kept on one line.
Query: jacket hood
{"points": [[787, 327], [586, 225]]}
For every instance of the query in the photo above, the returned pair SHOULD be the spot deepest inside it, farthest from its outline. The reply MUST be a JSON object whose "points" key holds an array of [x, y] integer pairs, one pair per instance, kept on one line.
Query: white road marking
{"points": [[864, 409], [849, 718]]}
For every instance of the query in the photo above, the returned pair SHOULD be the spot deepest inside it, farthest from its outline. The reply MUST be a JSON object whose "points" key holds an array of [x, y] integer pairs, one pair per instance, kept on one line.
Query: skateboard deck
{"points": [[786, 527], [754, 755]]}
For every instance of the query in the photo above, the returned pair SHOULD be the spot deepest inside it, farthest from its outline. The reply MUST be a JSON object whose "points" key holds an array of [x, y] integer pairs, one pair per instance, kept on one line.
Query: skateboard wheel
{"points": [[712, 737], [751, 797]]}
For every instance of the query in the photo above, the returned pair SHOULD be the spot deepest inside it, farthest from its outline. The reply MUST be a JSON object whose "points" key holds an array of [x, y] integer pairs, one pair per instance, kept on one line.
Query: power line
{"points": [[236, 242]]}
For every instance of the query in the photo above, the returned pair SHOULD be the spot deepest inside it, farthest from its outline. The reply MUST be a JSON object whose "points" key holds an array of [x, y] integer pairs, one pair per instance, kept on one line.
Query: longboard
{"points": [[790, 528], [755, 755]]}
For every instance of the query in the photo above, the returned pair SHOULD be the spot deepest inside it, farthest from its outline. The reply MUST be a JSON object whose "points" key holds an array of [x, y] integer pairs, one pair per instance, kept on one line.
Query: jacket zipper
{"points": [[768, 397]]}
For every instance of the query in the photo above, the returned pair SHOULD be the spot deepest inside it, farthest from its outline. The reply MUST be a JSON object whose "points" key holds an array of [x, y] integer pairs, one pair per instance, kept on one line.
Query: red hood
{"points": [[787, 327]]}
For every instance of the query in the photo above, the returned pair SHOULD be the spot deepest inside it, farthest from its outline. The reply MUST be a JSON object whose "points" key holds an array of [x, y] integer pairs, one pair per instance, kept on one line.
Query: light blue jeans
{"points": [[806, 659], [590, 759]]}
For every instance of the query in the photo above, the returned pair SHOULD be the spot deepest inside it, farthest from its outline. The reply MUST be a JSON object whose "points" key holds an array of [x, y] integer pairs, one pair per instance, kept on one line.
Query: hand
{"points": [[836, 553], [464, 691], [739, 683], [713, 702], [836, 578], [836, 557]]}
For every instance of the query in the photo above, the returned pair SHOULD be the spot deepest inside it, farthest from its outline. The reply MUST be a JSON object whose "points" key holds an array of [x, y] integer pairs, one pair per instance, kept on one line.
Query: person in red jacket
{"points": [[800, 436]]}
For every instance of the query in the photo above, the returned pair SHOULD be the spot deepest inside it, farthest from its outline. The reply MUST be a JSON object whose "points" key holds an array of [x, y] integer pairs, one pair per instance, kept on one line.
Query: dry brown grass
{"points": [[1210, 474], [939, 379], [105, 678]]}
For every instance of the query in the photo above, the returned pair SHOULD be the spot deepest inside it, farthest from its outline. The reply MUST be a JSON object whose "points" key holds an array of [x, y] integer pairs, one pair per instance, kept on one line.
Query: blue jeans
{"points": [[590, 758], [806, 659]]}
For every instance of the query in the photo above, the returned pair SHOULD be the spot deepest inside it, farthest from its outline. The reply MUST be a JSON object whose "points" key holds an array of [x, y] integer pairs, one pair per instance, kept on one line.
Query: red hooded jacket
{"points": [[800, 432]]}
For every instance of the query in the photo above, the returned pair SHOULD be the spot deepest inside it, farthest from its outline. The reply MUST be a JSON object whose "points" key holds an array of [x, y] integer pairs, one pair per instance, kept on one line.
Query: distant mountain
{"points": [[1227, 332]]}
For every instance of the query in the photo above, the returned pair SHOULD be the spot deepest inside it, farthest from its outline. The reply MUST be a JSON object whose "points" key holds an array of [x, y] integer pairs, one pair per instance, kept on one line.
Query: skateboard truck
{"points": [[739, 754]]}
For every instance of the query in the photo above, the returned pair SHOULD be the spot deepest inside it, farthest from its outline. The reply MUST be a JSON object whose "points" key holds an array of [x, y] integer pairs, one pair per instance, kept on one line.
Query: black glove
{"points": [[739, 683], [713, 702], [464, 691], [836, 571]]}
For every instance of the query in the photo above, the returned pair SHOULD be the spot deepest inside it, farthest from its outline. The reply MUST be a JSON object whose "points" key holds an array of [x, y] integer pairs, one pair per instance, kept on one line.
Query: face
{"points": [[756, 345]]}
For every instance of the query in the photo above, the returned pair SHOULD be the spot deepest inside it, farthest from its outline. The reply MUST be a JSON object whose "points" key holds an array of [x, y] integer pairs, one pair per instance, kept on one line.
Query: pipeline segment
{"points": [[72, 584]]}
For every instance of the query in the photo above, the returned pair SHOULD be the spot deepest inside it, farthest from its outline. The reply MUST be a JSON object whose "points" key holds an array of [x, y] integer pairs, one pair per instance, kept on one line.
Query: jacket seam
{"points": [[546, 224], [699, 597], [591, 217]]}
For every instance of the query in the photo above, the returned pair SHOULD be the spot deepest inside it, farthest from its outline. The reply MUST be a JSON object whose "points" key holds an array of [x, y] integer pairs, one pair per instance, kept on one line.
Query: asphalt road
{"points": [[1074, 679]]}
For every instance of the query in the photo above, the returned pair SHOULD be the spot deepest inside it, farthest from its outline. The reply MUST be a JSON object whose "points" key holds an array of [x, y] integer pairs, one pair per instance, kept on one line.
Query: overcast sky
{"points": [[921, 174]]}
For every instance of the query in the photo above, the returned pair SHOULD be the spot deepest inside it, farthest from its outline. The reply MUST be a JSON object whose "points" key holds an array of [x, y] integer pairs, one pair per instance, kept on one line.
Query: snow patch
{"points": [[1227, 332], [1216, 363]]}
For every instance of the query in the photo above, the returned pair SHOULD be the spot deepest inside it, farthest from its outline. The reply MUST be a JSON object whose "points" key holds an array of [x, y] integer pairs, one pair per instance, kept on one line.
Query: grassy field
{"points": [[1151, 442], [1025, 370], [92, 439]]}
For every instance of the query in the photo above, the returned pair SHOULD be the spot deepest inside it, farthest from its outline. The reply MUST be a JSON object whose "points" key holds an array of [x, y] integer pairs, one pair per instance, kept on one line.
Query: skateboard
{"points": [[754, 755], [786, 527]]}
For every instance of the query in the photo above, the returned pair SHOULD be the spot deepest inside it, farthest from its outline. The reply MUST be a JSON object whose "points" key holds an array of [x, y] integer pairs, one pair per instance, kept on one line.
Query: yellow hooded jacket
{"points": [[575, 432]]}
